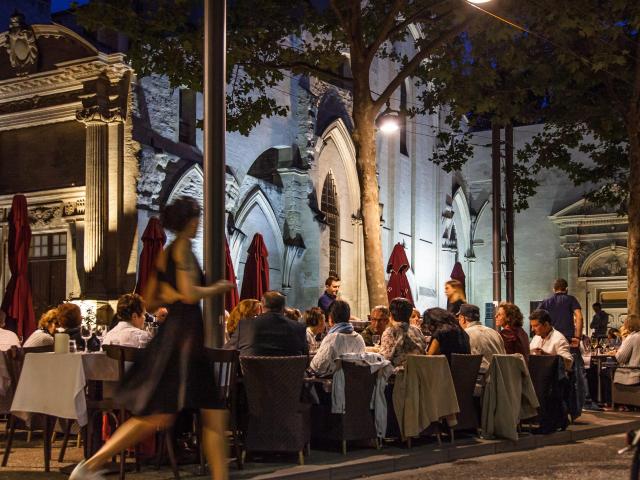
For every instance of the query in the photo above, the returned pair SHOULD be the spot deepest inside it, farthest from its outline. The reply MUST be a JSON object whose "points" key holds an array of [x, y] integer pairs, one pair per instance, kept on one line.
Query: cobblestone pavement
{"points": [[595, 459]]}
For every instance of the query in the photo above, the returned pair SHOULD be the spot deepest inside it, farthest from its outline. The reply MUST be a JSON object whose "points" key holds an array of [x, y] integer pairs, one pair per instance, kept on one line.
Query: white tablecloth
{"points": [[53, 383]]}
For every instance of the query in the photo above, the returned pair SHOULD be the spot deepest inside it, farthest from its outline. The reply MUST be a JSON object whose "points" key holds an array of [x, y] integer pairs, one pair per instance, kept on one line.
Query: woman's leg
{"points": [[214, 442], [129, 433]]}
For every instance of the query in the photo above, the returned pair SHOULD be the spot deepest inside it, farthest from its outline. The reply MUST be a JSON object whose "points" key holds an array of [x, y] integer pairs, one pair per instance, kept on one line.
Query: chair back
{"points": [[542, 369], [273, 387], [40, 349], [14, 360], [225, 374], [122, 354], [359, 383], [464, 370]]}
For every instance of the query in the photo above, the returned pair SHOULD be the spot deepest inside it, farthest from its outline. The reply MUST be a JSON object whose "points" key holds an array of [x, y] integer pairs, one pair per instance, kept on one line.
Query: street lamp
{"points": [[478, 1], [389, 120]]}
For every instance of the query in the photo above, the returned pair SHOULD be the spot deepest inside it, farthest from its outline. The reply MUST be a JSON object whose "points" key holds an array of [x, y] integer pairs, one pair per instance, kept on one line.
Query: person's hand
{"points": [[221, 286], [537, 351]]}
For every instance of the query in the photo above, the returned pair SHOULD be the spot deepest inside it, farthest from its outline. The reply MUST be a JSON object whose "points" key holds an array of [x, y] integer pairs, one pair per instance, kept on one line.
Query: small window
{"points": [[48, 245], [404, 150], [329, 206], [187, 125]]}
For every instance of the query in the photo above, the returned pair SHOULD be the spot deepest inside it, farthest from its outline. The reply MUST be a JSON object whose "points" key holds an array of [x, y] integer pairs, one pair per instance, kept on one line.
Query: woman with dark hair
{"points": [[70, 319], [447, 336], [509, 321], [314, 319], [173, 374], [401, 338]]}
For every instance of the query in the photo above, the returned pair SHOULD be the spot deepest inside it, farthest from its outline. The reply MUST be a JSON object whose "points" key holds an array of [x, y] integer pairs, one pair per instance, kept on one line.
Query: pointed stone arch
{"points": [[257, 215], [330, 206], [190, 184]]}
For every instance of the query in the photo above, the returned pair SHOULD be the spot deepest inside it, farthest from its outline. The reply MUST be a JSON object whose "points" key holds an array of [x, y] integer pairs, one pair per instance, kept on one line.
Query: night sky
{"points": [[57, 5]]}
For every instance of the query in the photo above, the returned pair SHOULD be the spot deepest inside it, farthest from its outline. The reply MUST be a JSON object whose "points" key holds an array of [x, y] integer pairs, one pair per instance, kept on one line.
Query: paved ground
{"points": [[565, 455], [594, 459]]}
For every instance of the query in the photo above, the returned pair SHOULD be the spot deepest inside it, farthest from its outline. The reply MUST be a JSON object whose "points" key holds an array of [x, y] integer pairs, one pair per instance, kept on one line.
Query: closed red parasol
{"points": [[256, 271], [231, 299], [153, 240], [17, 302], [458, 274], [398, 285]]}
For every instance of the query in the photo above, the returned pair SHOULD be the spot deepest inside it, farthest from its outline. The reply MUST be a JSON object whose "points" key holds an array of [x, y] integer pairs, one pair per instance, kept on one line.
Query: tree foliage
{"points": [[573, 66]]}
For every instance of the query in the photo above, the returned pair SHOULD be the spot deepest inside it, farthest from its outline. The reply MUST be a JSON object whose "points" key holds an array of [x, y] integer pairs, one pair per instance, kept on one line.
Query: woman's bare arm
{"points": [[187, 276], [434, 347]]}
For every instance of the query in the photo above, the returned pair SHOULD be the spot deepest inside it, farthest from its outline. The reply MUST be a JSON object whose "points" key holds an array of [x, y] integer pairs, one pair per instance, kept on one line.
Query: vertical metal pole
{"points": [[497, 212], [509, 215], [215, 21]]}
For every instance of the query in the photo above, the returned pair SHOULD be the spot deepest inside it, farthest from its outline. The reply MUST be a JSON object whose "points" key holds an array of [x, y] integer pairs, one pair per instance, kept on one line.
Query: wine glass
{"points": [[376, 340], [85, 333], [100, 331], [594, 342]]}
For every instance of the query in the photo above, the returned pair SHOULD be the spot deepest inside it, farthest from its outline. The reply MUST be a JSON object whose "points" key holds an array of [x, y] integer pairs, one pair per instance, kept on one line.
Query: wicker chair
{"points": [[277, 420], [14, 360], [464, 370], [357, 423]]}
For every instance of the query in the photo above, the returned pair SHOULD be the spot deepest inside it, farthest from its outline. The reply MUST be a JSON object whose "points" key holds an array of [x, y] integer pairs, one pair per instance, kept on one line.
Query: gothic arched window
{"points": [[329, 206]]}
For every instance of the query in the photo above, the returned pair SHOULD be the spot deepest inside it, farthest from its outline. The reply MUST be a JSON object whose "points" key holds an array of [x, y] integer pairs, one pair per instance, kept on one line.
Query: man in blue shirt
{"points": [[565, 311], [331, 288]]}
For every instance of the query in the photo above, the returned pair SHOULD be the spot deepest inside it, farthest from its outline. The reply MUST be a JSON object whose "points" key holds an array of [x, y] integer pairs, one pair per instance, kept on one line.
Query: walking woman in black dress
{"points": [[173, 373]]}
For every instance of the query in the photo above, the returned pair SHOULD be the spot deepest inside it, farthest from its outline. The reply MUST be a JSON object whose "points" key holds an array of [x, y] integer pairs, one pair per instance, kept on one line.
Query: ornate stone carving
{"points": [[99, 114], [21, 44], [74, 208], [575, 249], [43, 216], [294, 248]]}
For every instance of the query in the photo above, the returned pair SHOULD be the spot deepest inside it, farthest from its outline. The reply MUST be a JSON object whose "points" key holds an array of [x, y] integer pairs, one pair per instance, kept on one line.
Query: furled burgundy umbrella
{"points": [[231, 298], [17, 302], [398, 285], [255, 280], [153, 240], [458, 274]]}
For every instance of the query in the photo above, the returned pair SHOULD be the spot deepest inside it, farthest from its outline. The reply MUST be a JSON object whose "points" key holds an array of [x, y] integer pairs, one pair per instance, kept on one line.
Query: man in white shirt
{"points": [[484, 340], [548, 340], [128, 332], [340, 339], [8, 339]]}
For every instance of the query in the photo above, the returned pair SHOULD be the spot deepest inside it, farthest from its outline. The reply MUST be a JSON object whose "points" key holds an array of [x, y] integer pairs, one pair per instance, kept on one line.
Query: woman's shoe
{"points": [[81, 472]]}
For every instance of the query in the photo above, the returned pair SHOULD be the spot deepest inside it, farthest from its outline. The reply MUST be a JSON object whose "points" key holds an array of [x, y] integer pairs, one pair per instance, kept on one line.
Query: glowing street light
{"points": [[477, 2], [388, 121]]}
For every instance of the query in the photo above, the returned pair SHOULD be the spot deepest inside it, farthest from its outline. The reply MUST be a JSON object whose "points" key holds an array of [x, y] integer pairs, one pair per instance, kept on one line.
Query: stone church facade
{"points": [[98, 151]]}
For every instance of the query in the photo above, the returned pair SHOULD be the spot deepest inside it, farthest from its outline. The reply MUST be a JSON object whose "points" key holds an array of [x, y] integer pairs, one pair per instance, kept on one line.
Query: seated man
{"points": [[8, 339], [271, 333], [340, 339], [378, 321], [483, 340], [548, 340], [128, 331]]}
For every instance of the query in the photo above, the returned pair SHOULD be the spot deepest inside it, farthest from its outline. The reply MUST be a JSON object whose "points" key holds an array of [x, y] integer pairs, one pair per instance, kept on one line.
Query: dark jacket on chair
{"points": [[270, 334]]}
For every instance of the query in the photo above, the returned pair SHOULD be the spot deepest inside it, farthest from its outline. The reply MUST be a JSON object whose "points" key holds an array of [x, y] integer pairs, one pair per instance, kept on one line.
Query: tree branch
{"points": [[322, 73], [341, 19], [386, 27], [426, 49]]}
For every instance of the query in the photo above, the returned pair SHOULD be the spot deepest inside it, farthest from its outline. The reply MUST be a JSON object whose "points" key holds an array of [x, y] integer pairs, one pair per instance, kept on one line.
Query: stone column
{"points": [[96, 198]]}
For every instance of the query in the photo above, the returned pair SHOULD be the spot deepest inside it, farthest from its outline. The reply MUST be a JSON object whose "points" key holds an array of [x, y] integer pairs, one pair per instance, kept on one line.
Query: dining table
{"points": [[54, 383]]}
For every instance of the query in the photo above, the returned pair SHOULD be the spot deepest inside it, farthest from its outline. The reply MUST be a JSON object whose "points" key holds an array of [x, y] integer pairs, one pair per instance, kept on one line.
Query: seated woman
{"points": [[509, 322], [314, 319], [401, 338], [128, 331], [447, 336], [340, 339], [70, 319], [43, 336], [629, 353], [245, 309]]}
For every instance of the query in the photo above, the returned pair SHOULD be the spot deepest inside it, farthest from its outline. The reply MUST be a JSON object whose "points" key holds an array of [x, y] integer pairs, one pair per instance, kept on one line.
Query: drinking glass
{"points": [[376, 340], [100, 331], [594, 342], [72, 346], [85, 333]]}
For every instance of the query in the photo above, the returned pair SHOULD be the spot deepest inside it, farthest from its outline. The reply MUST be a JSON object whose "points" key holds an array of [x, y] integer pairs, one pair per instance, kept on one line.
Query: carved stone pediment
{"points": [[45, 216], [21, 44]]}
